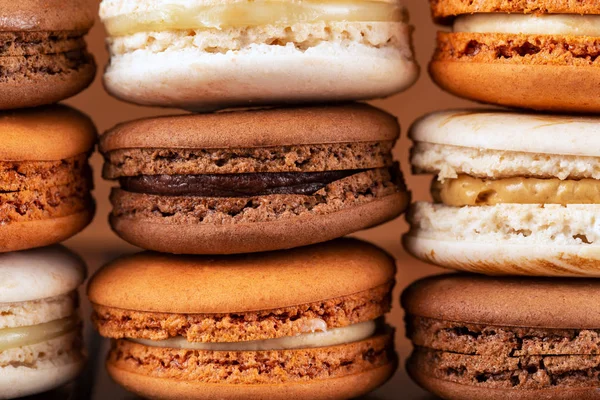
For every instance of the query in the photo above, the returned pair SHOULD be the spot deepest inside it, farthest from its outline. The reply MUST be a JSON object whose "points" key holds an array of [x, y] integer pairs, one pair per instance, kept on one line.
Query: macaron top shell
{"points": [[346, 123], [519, 302], [39, 274], [46, 15], [156, 282], [45, 134], [510, 131]]}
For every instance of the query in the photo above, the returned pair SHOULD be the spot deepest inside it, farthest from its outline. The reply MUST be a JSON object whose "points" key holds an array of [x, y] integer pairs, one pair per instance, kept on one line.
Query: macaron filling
{"points": [[233, 185], [315, 339], [529, 24], [469, 191], [249, 13], [28, 335]]}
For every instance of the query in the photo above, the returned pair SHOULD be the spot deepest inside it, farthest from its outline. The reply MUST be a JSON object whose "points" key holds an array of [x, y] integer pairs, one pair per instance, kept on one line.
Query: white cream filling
{"points": [[27, 335], [326, 338], [530, 24]]}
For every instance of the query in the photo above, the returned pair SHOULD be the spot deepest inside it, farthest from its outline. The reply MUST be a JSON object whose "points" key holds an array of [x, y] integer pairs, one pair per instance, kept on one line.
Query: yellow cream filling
{"points": [[469, 191], [530, 24], [28, 335], [326, 338], [265, 12]]}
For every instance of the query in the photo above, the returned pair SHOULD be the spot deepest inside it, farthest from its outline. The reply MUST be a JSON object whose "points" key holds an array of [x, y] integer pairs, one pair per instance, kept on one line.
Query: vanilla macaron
{"points": [[207, 54], [535, 54], [296, 324], [513, 194], [40, 331]]}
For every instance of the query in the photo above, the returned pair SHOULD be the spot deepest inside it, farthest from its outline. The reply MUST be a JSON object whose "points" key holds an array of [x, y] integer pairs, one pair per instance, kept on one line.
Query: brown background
{"points": [[97, 243]]}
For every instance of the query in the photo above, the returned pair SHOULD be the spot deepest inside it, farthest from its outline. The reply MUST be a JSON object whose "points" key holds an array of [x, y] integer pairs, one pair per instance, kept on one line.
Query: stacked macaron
{"points": [[296, 172], [514, 193]]}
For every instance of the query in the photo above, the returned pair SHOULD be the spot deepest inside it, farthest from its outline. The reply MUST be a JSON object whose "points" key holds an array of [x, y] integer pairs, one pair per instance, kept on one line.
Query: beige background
{"points": [[98, 243]]}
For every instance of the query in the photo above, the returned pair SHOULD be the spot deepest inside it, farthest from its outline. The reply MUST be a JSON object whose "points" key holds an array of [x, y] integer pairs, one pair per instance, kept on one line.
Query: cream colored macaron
{"points": [[515, 193], [209, 54], [40, 331]]}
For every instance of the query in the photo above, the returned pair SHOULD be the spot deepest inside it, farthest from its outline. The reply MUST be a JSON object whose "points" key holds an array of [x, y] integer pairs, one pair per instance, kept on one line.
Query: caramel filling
{"points": [[317, 336], [253, 13], [530, 24], [28, 335], [469, 191]]}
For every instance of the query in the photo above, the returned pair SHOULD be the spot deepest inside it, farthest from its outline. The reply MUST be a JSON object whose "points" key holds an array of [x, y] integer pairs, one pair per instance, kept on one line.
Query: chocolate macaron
{"points": [[45, 178], [43, 56], [536, 54], [479, 337], [514, 193], [251, 181], [303, 323]]}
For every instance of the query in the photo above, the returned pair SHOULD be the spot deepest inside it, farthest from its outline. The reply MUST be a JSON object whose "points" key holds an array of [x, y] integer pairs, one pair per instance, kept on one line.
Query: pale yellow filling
{"points": [[28, 335], [530, 24], [469, 191], [257, 13], [326, 338]]}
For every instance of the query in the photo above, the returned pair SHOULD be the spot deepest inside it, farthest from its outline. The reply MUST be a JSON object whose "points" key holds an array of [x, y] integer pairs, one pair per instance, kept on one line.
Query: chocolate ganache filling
{"points": [[234, 185]]}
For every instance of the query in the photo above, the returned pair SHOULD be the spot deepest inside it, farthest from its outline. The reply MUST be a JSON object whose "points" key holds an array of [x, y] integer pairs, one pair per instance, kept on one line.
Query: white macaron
{"points": [[514, 193], [40, 331]]}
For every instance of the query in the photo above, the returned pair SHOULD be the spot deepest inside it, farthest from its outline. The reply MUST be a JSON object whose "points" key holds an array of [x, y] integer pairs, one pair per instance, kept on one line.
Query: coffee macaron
{"points": [[209, 54], [303, 323], [40, 330], [43, 55], [478, 337], [535, 54], [45, 178], [514, 193], [249, 181]]}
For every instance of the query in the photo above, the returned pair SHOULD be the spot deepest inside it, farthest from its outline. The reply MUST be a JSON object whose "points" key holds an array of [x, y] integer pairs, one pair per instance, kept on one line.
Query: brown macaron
{"points": [[303, 323], [250, 181], [535, 54], [45, 178], [479, 337], [43, 56]]}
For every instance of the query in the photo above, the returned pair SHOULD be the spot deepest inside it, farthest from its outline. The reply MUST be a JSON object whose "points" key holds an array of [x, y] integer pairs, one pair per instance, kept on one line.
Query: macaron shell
{"points": [[330, 389], [507, 259], [26, 235], [560, 88], [39, 274], [44, 134], [506, 301], [352, 122], [455, 391], [261, 281], [257, 236], [46, 15]]}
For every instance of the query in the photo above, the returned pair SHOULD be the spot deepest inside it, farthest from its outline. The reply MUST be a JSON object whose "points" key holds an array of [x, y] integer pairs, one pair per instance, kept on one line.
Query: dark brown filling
{"points": [[234, 185]]}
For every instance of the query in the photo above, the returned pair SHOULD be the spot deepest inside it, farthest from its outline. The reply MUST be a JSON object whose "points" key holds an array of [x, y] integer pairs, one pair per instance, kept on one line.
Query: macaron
{"points": [[45, 179], [249, 181], [514, 193], [478, 337], [535, 54], [43, 56], [304, 323], [40, 331], [208, 54]]}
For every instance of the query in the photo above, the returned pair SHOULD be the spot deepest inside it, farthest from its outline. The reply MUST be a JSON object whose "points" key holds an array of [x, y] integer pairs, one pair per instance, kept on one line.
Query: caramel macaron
{"points": [[513, 193], [303, 323], [43, 56], [479, 337], [249, 181], [535, 54], [45, 178]]}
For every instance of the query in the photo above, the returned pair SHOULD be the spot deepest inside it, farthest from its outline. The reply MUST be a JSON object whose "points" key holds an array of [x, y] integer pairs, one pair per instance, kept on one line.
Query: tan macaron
{"points": [[250, 181], [45, 179], [303, 323], [535, 54]]}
